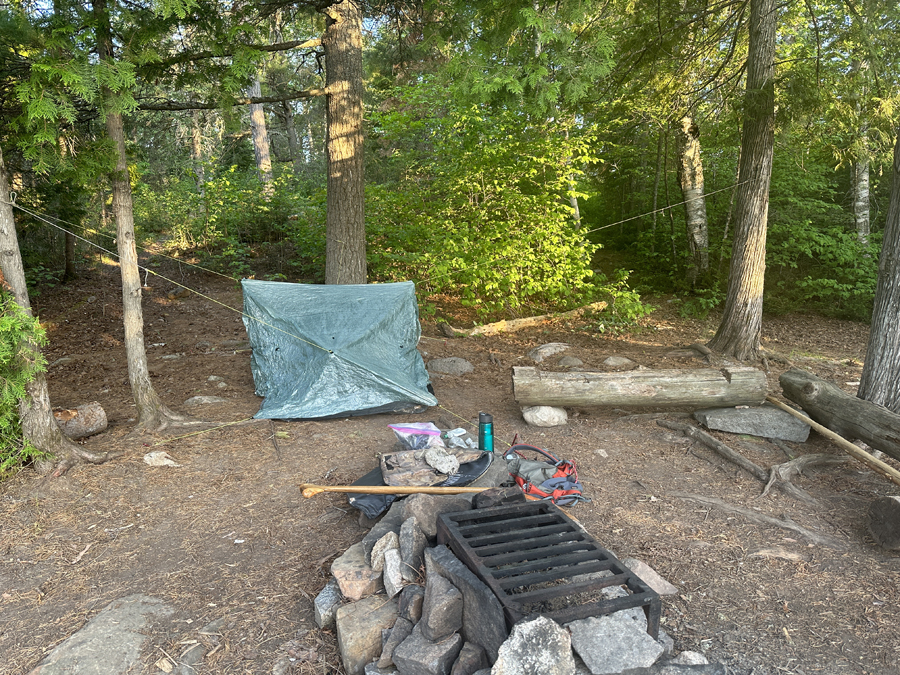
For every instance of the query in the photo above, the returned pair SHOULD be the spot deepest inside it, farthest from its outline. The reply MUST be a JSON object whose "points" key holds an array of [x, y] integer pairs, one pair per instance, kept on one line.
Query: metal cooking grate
{"points": [[532, 556]]}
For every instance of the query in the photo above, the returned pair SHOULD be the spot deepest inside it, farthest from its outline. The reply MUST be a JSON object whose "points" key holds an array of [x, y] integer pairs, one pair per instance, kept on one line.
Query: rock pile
{"points": [[402, 605]]}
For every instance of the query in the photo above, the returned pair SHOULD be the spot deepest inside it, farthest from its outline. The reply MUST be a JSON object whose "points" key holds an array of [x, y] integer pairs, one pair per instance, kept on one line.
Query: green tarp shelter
{"points": [[333, 351]]}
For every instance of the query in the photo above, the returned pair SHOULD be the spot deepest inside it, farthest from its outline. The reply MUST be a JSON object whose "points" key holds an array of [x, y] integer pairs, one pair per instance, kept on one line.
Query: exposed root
{"points": [[783, 472]]}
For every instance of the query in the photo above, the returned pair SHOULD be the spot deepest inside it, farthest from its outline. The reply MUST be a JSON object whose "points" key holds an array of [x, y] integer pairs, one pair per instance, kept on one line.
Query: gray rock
{"points": [[650, 576], [496, 475], [619, 362], [388, 541], [426, 508], [401, 630], [485, 671], [412, 549], [610, 644], [442, 610], [412, 597], [359, 627], [204, 400], [498, 497], [668, 668], [483, 619], [545, 416], [538, 354], [884, 522], [326, 603], [109, 643], [452, 365], [470, 660], [393, 580], [766, 421], [354, 576], [538, 647], [390, 522], [373, 669], [690, 658], [417, 655], [569, 362], [668, 644]]}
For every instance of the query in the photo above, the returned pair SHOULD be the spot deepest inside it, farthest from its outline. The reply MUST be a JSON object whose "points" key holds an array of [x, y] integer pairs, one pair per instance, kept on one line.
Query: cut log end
{"points": [[83, 421], [884, 522]]}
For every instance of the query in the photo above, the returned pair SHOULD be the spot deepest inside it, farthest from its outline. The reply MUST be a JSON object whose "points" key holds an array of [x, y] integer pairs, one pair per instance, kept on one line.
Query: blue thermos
{"points": [[485, 432]]}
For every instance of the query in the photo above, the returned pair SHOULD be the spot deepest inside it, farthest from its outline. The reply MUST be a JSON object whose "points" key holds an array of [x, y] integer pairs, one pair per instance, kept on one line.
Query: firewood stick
{"points": [[857, 453], [310, 490]]}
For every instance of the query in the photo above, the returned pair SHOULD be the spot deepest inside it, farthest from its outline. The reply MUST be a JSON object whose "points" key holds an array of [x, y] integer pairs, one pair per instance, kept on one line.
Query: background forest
{"points": [[519, 156]]}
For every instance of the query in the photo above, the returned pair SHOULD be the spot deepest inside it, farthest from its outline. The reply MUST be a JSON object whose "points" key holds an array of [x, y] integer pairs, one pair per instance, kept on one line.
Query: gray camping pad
{"points": [[322, 351]]}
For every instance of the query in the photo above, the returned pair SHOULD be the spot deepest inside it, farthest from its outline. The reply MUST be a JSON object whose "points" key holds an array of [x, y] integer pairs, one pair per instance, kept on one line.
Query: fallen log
{"points": [[81, 422], [873, 463], [511, 325], [843, 413], [700, 388]]}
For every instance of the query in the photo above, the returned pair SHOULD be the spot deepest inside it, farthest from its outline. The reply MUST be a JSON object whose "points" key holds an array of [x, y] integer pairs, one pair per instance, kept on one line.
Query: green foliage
{"points": [[699, 304], [624, 304], [480, 205], [20, 360]]}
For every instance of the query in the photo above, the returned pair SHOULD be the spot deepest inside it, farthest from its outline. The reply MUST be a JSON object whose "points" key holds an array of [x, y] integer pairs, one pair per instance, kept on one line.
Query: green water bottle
{"points": [[485, 432]]}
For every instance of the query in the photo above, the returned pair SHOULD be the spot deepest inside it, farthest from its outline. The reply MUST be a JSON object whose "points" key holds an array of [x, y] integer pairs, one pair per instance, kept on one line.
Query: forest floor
{"points": [[227, 535]]}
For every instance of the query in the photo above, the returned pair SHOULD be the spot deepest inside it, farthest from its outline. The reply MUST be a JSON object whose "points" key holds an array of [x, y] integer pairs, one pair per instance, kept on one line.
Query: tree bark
{"points": [[83, 421], [292, 138], [260, 134], [739, 331], [880, 382], [197, 154], [345, 249], [843, 413], [38, 423], [152, 413], [690, 177], [860, 190], [700, 388]]}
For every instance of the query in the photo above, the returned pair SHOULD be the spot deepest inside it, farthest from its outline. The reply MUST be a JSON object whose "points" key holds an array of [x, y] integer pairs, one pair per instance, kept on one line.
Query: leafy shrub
{"points": [[624, 304], [20, 360]]}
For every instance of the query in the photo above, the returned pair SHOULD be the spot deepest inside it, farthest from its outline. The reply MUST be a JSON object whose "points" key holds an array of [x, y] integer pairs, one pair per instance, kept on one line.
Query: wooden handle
{"points": [[857, 453], [311, 490]]}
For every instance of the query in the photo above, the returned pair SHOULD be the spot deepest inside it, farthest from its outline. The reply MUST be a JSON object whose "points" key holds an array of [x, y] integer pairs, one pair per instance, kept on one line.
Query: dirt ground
{"points": [[227, 535]]}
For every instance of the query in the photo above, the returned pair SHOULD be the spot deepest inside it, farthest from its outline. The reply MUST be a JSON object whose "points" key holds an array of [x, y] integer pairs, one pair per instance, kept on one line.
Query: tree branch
{"points": [[213, 105], [209, 54]]}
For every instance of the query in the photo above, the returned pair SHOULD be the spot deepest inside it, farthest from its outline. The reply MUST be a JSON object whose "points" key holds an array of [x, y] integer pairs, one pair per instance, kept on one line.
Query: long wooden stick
{"points": [[310, 490], [876, 465]]}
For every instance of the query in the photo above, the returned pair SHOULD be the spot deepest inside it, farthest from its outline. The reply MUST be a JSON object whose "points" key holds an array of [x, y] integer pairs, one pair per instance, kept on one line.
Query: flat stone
{"points": [[498, 497], [393, 580], [569, 362], [412, 549], [417, 655], [326, 603], [359, 625], [373, 669], [412, 597], [611, 644], [483, 619], [426, 508], [108, 643], [538, 647], [496, 475], [401, 630], [538, 354], [618, 362], [388, 541], [204, 400], [650, 576], [689, 658], [390, 522], [545, 416], [884, 522], [669, 668], [471, 659], [442, 610], [452, 365], [354, 576], [765, 421]]}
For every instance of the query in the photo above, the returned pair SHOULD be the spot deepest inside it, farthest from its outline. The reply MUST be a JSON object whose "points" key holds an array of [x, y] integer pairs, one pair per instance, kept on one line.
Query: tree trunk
{"points": [[880, 381], [843, 413], [739, 331], [38, 424], [702, 388], [690, 177], [860, 190], [292, 138], [260, 135], [345, 249], [197, 153], [152, 413]]}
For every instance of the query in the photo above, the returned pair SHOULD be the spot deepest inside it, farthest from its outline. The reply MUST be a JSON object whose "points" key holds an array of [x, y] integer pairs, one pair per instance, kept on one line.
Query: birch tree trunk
{"points": [[690, 177], [739, 331], [860, 190], [345, 248], [880, 382], [38, 424], [197, 153], [260, 135], [152, 413]]}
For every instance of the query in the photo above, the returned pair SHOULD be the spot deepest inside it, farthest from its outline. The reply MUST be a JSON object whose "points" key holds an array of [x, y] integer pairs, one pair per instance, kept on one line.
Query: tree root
{"points": [[783, 472], [735, 457]]}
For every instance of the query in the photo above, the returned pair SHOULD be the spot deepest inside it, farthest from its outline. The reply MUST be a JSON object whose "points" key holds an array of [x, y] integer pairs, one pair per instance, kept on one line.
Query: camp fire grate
{"points": [[538, 561]]}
